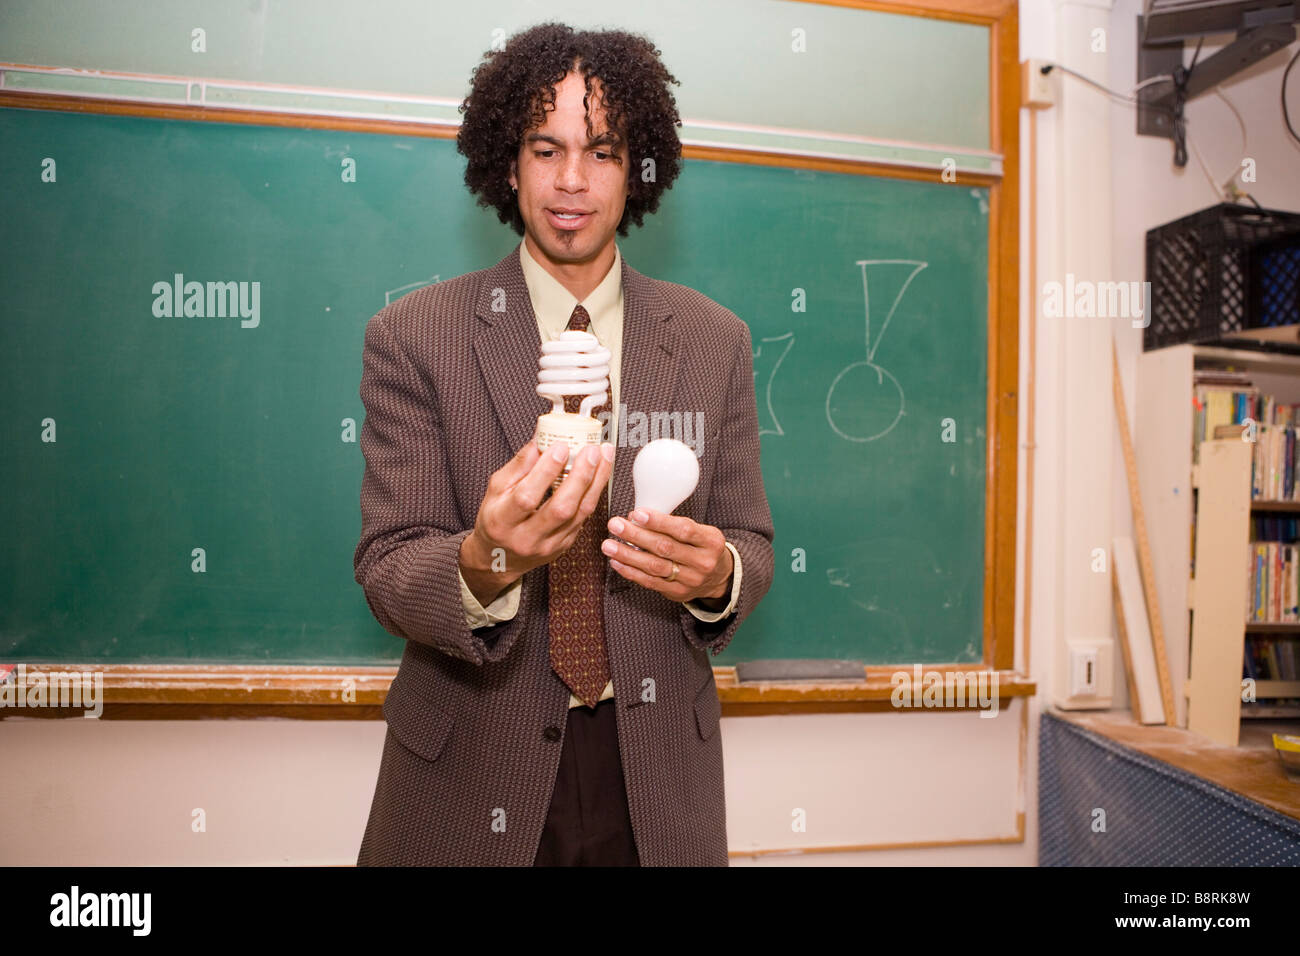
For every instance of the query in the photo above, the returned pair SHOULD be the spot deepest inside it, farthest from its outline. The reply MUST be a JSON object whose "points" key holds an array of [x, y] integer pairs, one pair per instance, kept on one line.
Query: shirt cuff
{"points": [[709, 617], [503, 608]]}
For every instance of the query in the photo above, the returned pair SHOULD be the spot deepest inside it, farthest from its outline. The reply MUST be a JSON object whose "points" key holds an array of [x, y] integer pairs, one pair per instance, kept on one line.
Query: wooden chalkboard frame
{"points": [[355, 692]]}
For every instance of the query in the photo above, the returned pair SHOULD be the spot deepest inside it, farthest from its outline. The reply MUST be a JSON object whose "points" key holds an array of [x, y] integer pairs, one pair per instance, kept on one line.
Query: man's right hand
{"points": [[518, 528]]}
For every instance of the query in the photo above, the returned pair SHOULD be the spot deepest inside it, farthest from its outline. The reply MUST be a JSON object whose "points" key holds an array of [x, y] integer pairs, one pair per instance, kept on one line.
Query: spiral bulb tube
{"points": [[574, 364]]}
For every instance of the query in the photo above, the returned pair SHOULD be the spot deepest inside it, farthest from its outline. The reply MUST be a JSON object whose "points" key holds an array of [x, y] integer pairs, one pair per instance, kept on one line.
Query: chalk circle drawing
{"points": [[866, 401], [401, 290], [788, 338]]}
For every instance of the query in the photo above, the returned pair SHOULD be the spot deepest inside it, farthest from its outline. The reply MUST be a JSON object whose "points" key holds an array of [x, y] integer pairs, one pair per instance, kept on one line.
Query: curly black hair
{"points": [[512, 88]]}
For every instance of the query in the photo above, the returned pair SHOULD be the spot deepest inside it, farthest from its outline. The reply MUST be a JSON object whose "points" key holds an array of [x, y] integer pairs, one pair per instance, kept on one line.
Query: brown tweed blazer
{"points": [[476, 718]]}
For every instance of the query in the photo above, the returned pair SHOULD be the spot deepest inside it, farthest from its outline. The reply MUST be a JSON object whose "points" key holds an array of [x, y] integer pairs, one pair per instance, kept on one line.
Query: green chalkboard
{"points": [[866, 298]]}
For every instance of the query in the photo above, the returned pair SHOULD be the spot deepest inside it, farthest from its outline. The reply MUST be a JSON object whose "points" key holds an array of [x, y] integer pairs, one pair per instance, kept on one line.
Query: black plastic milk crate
{"points": [[1275, 282], [1200, 270]]}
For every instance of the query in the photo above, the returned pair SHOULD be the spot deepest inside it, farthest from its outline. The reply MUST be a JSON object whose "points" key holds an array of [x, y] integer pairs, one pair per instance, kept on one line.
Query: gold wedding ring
{"points": [[673, 576]]}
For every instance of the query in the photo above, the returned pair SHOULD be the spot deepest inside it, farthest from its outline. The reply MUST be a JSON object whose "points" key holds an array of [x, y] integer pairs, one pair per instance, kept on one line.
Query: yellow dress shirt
{"points": [[553, 305]]}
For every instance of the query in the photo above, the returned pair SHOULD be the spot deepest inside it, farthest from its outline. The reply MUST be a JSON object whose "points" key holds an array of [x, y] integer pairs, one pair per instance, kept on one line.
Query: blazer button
{"points": [[552, 734]]}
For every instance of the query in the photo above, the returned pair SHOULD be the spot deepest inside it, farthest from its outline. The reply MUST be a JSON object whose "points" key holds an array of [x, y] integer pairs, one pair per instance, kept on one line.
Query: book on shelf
{"points": [[1213, 406], [1271, 657], [1273, 583], [1273, 462], [1239, 410], [1236, 380], [1220, 376], [1229, 431]]}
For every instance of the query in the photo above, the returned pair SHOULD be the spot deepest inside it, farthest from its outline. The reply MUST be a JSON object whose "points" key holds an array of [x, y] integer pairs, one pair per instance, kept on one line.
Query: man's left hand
{"points": [[704, 564]]}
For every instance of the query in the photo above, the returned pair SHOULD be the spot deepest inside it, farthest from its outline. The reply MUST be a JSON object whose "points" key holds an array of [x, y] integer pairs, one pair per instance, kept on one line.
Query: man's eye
{"points": [[544, 152], [602, 156]]}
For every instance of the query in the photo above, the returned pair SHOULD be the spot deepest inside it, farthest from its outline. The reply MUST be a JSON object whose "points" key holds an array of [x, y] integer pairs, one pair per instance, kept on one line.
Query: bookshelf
{"points": [[1205, 606]]}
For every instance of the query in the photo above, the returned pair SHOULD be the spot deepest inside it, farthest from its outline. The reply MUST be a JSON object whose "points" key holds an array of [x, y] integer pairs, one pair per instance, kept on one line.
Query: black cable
{"points": [[1180, 122], [1286, 116], [1181, 75]]}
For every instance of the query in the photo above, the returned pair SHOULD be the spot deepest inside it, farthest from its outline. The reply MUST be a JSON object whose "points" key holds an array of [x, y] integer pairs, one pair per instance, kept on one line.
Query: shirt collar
{"points": [[553, 304]]}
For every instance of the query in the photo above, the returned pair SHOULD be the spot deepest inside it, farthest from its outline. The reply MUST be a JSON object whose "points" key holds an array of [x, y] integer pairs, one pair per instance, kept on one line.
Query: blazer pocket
{"points": [[708, 711], [418, 725]]}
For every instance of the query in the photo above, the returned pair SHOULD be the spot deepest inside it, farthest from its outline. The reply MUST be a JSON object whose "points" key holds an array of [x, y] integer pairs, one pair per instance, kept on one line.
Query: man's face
{"points": [[571, 189]]}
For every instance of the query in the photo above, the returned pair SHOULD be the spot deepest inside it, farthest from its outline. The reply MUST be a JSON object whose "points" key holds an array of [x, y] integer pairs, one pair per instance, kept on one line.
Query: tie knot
{"points": [[580, 319]]}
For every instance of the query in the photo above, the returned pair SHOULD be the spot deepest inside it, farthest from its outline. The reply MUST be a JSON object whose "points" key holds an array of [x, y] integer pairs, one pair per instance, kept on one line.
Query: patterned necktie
{"points": [[577, 587]]}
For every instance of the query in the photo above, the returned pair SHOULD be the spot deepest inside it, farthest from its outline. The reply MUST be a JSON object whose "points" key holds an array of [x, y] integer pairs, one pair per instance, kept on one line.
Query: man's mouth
{"points": [[568, 218]]}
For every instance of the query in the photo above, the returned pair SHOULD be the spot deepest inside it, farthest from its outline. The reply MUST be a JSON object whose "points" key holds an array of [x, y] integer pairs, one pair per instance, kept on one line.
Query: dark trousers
{"points": [[588, 823]]}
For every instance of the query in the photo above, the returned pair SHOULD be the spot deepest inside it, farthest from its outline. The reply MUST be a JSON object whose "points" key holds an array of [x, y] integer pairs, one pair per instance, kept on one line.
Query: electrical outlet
{"points": [[1085, 673], [1038, 90], [1084, 677]]}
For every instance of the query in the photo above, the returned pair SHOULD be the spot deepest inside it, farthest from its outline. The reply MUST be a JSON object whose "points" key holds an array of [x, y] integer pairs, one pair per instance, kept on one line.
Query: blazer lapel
{"points": [[508, 345], [507, 348]]}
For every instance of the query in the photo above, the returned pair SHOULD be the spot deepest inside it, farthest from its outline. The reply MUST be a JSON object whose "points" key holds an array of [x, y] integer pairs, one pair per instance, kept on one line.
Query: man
{"points": [[555, 703]]}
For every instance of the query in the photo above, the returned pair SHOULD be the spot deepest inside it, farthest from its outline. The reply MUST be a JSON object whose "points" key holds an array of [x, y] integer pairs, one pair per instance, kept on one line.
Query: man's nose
{"points": [[571, 176]]}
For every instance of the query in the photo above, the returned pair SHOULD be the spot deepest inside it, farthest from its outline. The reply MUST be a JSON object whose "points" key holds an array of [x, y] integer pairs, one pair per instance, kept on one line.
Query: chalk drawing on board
{"points": [[401, 290], [865, 381], [771, 374]]}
